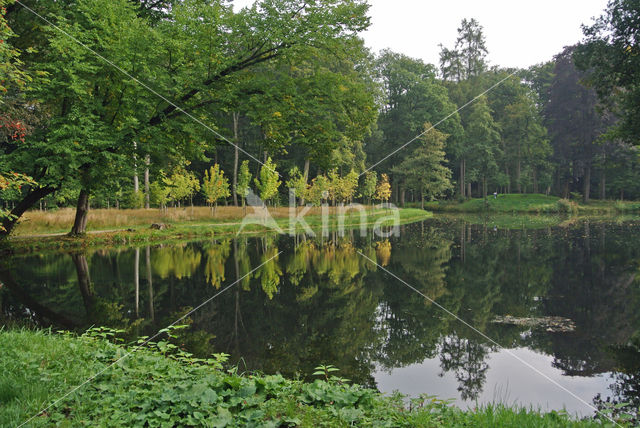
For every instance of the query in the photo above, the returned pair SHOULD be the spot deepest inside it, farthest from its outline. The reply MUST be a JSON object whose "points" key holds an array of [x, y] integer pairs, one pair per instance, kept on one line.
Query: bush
{"points": [[133, 199], [567, 206]]}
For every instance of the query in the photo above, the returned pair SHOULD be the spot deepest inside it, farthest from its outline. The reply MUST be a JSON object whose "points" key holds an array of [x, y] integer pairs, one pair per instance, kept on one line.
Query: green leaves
{"points": [[268, 182], [215, 185]]}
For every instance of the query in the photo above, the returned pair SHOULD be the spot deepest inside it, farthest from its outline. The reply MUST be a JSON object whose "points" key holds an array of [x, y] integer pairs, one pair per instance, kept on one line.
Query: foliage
{"points": [[244, 180], [268, 182], [424, 169], [215, 185], [162, 385], [297, 182], [182, 184], [369, 183], [383, 189], [609, 58], [318, 190]]}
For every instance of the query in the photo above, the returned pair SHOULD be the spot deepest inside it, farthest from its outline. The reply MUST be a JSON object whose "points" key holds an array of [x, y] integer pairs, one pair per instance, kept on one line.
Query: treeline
{"points": [[131, 103]]}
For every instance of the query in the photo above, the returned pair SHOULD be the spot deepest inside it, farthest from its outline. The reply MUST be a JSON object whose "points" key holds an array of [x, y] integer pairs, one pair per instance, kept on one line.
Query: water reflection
{"points": [[319, 301]]}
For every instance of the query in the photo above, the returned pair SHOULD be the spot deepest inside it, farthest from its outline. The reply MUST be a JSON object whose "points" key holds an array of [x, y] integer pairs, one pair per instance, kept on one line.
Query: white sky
{"points": [[518, 33]]}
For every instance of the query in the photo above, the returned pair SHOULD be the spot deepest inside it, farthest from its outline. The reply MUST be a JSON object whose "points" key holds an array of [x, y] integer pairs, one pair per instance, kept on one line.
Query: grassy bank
{"points": [[41, 230], [163, 386], [533, 203]]}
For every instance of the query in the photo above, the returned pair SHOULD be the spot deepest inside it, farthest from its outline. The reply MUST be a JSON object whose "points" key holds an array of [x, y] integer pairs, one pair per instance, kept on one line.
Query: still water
{"points": [[320, 302]]}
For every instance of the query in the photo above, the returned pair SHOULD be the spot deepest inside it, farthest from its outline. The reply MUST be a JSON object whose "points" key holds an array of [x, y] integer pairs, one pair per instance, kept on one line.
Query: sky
{"points": [[518, 33]]}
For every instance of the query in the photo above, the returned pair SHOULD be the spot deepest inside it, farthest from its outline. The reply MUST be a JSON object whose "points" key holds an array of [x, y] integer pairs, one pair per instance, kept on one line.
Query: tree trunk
{"points": [[518, 172], [506, 170], [603, 183], [235, 158], [402, 195], [484, 187], [469, 190], [136, 279], [147, 162], [82, 214], [535, 181], [462, 193], [565, 189], [149, 282], [27, 202], [587, 184], [84, 282], [136, 185]]}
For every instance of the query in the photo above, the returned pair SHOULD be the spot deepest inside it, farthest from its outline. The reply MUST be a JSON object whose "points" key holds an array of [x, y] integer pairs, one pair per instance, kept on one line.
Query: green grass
{"points": [[532, 203], [163, 386], [180, 231]]}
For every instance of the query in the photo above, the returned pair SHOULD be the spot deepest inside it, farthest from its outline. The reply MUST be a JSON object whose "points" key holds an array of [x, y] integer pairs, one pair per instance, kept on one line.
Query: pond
{"points": [[319, 300]]}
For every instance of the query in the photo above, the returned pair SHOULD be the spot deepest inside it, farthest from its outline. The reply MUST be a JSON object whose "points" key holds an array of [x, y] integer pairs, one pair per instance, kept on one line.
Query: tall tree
{"points": [[575, 122], [483, 138], [424, 168]]}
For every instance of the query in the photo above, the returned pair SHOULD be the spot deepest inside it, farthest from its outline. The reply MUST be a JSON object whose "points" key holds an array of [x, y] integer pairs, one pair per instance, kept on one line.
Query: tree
{"points": [[298, 183], [383, 190], [244, 179], [484, 138], [575, 121], [215, 186], [159, 194], [468, 58], [199, 48], [609, 57], [369, 183], [424, 168], [183, 185], [318, 191], [268, 182]]}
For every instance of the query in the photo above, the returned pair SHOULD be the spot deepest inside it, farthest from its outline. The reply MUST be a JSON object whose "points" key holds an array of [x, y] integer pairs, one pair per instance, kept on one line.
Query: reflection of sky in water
{"points": [[508, 381]]}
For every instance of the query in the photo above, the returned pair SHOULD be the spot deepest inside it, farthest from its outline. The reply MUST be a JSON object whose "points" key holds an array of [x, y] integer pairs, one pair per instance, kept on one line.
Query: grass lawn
{"points": [[162, 386], [124, 227]]}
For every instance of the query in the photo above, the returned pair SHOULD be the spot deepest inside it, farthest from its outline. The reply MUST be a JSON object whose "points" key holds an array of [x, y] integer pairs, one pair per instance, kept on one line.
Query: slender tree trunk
{"points": [[402, 195], [535, 180], [484, 187], [27, 202], [518, 173], [236, 156], [82, 214], [462, 193], [469, 190], [587, 184], [136, 279], [506, 170], [149, 281], [147, 162], [603, 184], [136, 185]]}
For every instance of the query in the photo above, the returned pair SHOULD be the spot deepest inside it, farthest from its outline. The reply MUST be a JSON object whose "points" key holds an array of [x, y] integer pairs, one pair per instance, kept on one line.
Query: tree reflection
{"points": [[320, 301]]}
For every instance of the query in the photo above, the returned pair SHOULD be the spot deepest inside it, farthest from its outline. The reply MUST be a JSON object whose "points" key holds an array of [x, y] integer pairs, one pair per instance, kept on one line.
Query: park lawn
{"points": [[159, 385]]}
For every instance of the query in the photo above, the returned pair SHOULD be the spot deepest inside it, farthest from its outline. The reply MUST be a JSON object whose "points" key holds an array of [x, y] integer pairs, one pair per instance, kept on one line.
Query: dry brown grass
{"points": [[37, 222]]}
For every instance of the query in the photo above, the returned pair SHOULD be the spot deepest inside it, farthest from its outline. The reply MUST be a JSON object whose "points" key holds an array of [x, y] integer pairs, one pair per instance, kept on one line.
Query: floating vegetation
{"points": [[552, 324]]}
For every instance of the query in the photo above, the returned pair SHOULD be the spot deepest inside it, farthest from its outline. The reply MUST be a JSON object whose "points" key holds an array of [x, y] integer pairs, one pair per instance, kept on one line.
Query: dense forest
{"points": [[139, 103]]}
